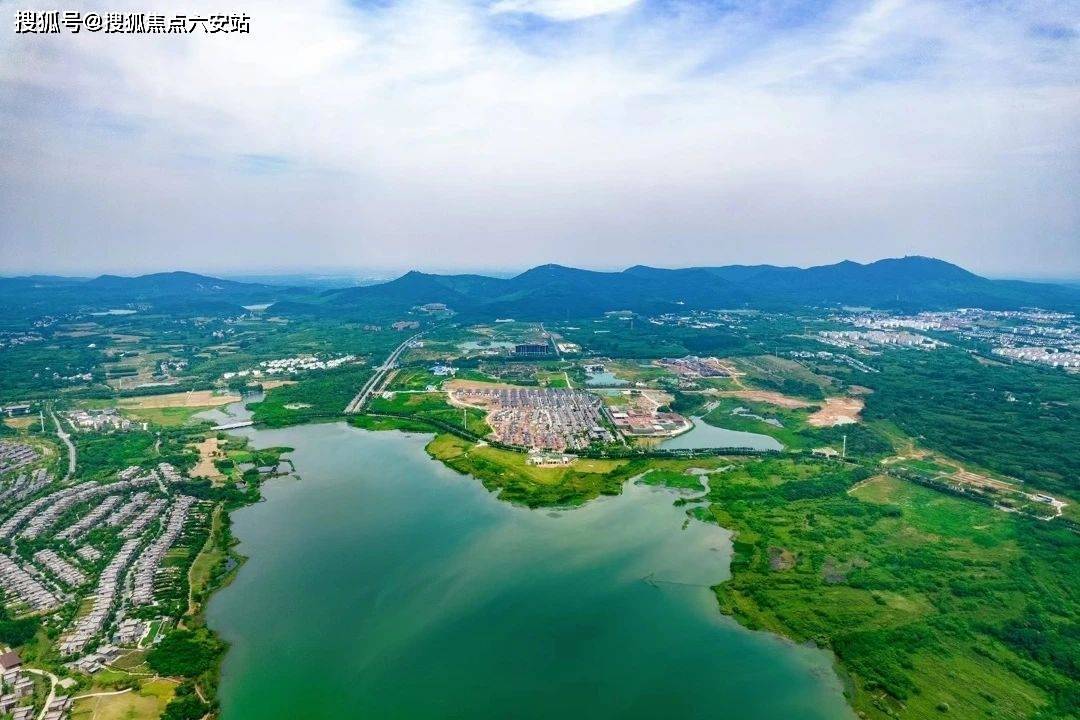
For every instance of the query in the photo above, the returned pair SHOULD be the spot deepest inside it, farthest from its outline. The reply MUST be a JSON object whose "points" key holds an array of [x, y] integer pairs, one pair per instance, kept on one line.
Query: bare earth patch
{"points": [[196, 398], [208, 450], [271, 384], [781, 559], [767, 396], [837, 411], [982, 481]]}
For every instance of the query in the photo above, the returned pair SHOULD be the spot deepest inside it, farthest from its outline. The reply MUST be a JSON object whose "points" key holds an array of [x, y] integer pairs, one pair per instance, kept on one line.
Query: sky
{"points": [[443, 134]]}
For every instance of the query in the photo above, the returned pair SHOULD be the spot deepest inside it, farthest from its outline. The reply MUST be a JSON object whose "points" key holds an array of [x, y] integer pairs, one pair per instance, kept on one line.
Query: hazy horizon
{"points": [[374, 274]]}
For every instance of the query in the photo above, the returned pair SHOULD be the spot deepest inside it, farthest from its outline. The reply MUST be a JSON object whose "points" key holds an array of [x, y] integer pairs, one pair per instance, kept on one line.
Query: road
{"points": [[67, 441], [52, 679], [551, 339], [377, 379]]}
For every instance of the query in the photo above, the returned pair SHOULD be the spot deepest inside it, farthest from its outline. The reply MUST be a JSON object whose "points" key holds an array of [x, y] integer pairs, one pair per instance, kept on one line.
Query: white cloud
{"points": [[562, 10], [439, 132]]}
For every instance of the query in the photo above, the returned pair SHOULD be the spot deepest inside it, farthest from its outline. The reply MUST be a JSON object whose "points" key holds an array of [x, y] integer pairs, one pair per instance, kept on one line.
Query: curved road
{"points": [[52, 679], [67, 441], [377, 379]]}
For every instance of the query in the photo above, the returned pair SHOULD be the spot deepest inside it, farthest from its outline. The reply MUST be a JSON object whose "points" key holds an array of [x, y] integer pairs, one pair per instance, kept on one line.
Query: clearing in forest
{"points": [[837, 411], [195, 398], [767, 396], [208, 450]]}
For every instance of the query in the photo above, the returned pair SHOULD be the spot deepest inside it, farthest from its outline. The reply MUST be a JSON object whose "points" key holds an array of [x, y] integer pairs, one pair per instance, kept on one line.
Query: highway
{"points": [[377, 380]]}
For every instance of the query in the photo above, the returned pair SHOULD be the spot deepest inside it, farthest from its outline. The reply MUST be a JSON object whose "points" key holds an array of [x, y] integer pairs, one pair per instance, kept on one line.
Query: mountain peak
{"points": [[553, 290], [923, 267]]}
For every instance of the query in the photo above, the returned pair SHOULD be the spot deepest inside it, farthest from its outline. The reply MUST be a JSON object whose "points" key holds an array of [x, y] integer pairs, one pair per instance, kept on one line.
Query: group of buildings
{"points": [[149, 563], [23, 588], [16, 687], [1031, 336], [863, 340], [100, 420], [290, 365], [532, 350], [693, 366], [832, 357], [14, 339], [1041, 355], [703, 319], [54, 553], [637, 413], [24, 485], [541, 418], [14, 455], [442, 370], [643, 423], [60, 568]]}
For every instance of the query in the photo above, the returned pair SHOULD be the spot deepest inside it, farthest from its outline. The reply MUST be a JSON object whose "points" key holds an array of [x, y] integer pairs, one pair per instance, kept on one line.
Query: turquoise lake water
{"points": [[384, 585]]}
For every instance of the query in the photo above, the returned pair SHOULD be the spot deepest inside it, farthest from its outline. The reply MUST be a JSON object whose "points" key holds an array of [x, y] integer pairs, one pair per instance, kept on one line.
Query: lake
{"points": [[114, 311], [384, 585], [605, 379], [705, 435]]}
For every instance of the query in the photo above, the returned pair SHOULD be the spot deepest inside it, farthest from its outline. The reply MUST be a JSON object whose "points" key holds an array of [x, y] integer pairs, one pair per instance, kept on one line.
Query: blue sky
{"points": [[600, 133]]}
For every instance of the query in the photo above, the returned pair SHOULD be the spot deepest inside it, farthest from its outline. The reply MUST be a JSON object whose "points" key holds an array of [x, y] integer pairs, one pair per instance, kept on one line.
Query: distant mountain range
{"points": [[173, 292], [554, 291], [910, 283]]}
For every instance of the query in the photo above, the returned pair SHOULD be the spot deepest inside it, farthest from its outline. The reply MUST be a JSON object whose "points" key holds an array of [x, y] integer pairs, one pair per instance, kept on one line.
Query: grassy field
{"points": [[164, 416], [20, 423], [552, 379], [768, 372], [679, 479], [932, 604], [372, 422], [209, 556], [195, 399], [413, 378], [518, 482], [508, 472], [146, 703], [432, 406], [635, 371]]}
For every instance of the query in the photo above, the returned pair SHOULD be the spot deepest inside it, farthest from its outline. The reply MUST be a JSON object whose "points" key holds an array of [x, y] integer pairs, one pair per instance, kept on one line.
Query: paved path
{"points": [[67, 441], [52, 679], [376, 380], [101, 694]]}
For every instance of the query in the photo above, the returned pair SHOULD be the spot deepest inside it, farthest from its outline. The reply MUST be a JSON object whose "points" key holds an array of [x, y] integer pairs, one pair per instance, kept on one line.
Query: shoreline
{"points": [[743, 622]]}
